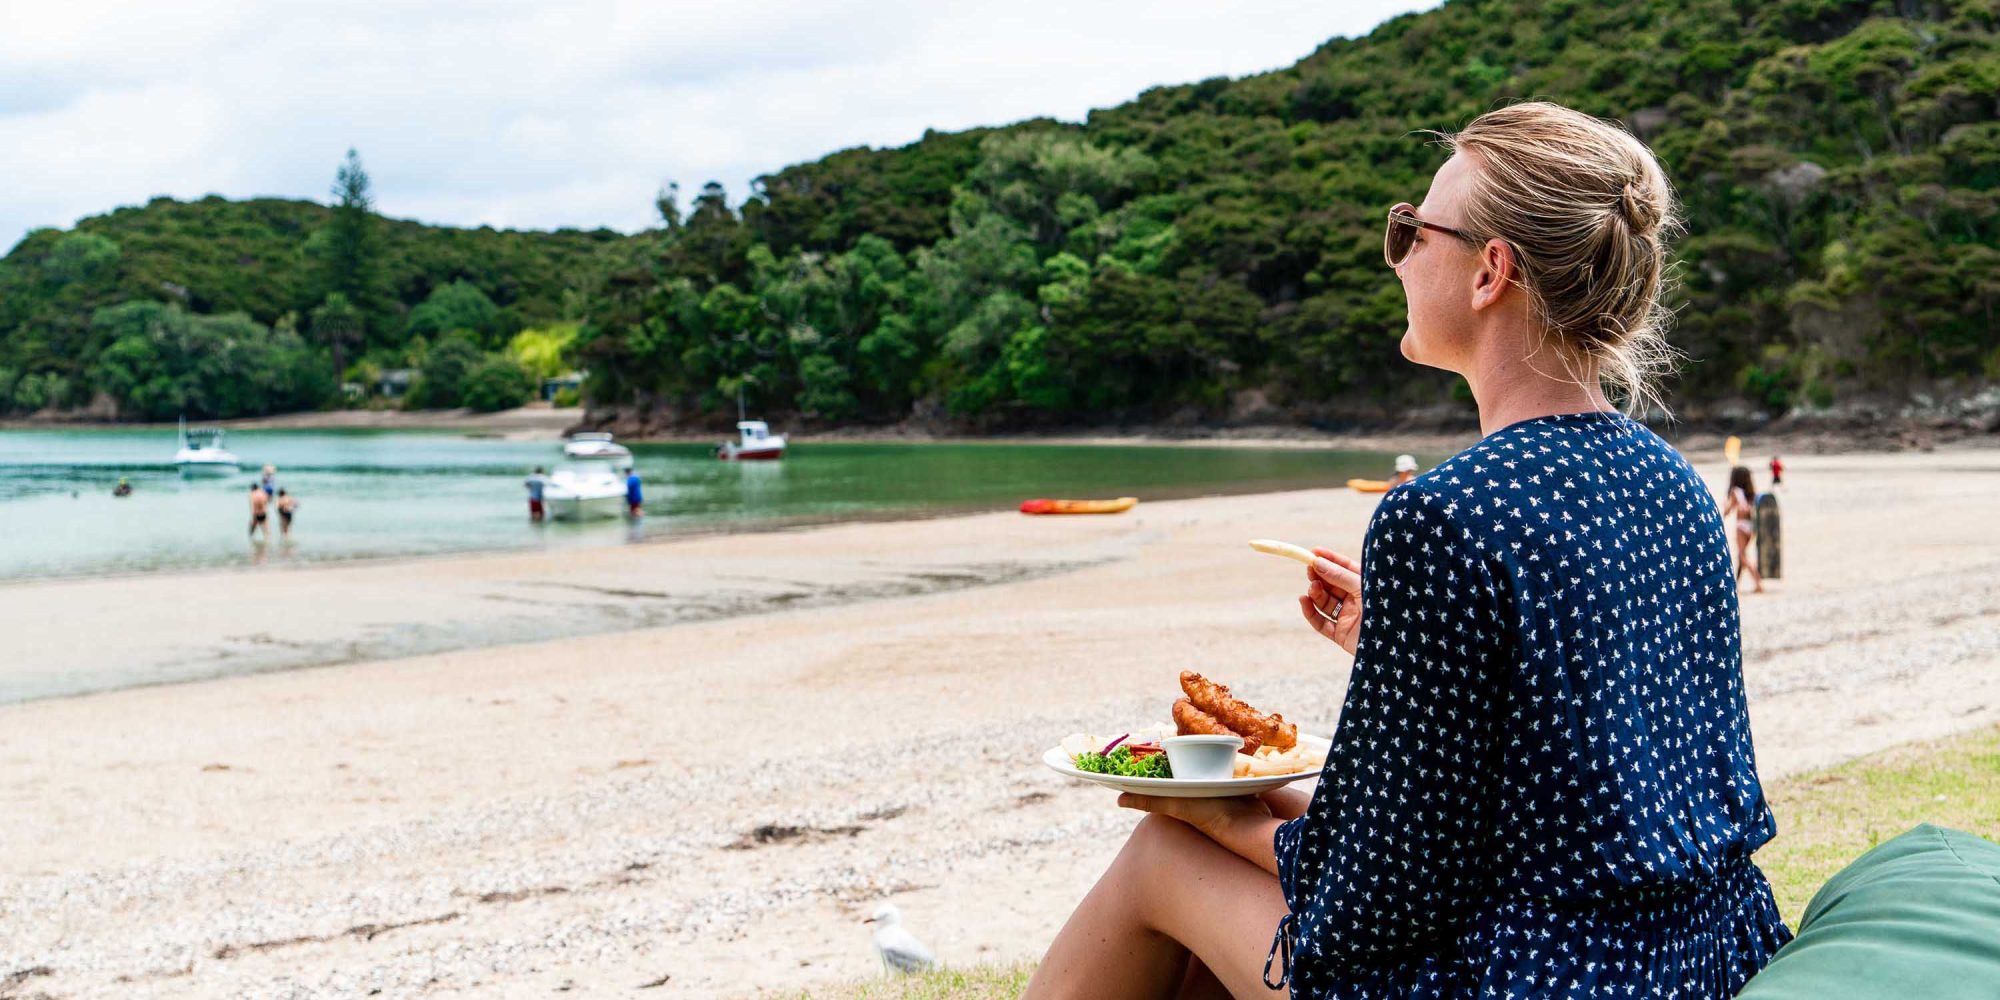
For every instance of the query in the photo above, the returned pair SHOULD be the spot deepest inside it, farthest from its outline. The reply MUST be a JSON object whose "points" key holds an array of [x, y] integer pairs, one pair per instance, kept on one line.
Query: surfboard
{"points": [[1770, 549]]}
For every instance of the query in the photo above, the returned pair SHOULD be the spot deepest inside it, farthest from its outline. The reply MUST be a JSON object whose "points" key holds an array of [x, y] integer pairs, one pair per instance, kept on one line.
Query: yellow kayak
{"points": [[1118, 506], [1368, 485]]}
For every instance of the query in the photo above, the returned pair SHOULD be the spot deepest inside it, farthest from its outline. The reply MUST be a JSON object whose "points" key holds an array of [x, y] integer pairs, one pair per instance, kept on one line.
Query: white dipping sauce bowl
{"points": [[1202, 758]]}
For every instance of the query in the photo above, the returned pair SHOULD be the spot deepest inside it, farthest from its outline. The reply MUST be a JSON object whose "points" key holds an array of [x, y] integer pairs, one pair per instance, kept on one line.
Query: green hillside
{"points": [[1214, 247], [1208, 250], [249, 274]]}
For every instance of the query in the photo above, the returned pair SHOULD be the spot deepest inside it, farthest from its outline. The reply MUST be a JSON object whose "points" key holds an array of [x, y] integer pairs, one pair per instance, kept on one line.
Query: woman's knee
{"points": [[1159, 844]]}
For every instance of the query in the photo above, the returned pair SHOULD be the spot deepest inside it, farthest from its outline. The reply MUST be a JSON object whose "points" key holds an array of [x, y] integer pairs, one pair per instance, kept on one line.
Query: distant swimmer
{"points": [[260, 503], [287, 503], [123, 489], [270, 481], [536, 484]]}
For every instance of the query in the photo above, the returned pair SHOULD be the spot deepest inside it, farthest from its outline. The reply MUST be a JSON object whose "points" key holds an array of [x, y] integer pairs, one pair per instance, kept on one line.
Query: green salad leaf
{"points": [[1120, 762]]}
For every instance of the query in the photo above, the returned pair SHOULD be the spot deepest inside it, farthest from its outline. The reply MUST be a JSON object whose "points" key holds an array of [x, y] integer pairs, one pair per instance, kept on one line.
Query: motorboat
{"points": [[202, 454], [596, 445], [584, 494], [754, 441]]}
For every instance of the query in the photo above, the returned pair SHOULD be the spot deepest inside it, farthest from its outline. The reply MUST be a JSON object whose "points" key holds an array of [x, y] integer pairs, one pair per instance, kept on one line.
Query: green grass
{"points": [[980, 982], [1825, 820], [1828, 818]]}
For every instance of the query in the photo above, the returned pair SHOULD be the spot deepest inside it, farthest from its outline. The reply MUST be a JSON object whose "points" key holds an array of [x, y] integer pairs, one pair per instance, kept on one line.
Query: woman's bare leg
{"points": [[1289, 802], [1171, 895], [1744, 565]]}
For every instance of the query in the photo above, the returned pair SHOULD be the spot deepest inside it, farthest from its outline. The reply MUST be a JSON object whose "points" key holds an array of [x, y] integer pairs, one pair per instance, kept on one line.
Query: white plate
{"points": [[1175, 788]]}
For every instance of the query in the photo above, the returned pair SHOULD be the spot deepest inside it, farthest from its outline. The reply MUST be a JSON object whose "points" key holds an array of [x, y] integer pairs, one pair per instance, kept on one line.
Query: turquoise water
{"points": [[370, 494]]}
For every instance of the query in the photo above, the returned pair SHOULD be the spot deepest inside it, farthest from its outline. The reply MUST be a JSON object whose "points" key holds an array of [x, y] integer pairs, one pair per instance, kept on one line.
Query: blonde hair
{"points": [[1588, 213]]}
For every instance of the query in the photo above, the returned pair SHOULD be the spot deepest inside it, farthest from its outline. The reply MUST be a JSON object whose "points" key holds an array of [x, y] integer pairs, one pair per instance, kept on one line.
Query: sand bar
{"points": [[716, 802]]}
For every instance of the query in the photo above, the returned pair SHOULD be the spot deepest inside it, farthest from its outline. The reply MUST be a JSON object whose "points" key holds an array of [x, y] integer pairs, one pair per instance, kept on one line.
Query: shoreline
{"points": [[706, 530], [537, 422], [471, 601], [689, 799]]}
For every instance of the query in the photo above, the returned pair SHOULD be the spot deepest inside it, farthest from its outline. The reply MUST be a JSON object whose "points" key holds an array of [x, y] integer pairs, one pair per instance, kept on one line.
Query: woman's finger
{"points": [[1338, 559], [1143, 803], [1316, 619], [1341, 579]]}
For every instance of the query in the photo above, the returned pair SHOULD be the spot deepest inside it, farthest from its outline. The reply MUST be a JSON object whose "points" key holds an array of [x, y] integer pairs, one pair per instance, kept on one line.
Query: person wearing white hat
{"points": [[1406, 470]]}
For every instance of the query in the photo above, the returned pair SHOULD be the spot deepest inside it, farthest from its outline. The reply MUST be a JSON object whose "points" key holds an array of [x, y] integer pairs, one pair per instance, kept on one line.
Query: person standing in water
{"points": [[123, 489], [635, 499], [287, 503], [1742, 503], [260, 511], [536, 483], [270, 481]]}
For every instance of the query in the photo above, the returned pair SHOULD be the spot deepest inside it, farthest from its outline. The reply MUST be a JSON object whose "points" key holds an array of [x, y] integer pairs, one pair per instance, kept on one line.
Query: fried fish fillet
{"points": [[1214, 700], [1192, 721]]}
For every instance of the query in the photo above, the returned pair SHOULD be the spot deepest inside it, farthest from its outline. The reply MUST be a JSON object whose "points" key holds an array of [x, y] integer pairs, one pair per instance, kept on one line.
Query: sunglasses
{"points": [[1401, 235]]}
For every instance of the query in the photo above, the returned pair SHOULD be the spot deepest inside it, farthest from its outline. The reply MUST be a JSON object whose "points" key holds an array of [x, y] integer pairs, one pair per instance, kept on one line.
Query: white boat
{"points": [[754, 441], [595, 445], [202, 453], [583, 494]]}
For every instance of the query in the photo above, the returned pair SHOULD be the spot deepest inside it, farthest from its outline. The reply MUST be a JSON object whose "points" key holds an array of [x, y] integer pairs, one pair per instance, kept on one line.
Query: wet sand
{"points": [[718, 800]]}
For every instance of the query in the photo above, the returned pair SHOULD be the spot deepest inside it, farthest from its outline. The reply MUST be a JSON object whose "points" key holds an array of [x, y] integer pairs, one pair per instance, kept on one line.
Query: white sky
{"points": [[541, 115]]}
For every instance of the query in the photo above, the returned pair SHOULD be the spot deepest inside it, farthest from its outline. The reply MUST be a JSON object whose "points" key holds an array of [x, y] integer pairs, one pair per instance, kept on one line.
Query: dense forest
{"points": [[230, 308], [1208, 251]]}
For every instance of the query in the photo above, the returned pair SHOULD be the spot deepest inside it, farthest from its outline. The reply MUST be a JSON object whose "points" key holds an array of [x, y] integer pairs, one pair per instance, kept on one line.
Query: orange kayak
{"points": [[1118, 506], [1368, 485]]}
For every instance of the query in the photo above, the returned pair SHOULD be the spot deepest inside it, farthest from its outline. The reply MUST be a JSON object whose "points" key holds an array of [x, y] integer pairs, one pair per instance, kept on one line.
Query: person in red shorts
{"points": [[535, 485]]}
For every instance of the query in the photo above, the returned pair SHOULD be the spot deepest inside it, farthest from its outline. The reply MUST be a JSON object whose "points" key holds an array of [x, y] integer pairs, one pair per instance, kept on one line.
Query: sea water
{"points": [[372, 494]]}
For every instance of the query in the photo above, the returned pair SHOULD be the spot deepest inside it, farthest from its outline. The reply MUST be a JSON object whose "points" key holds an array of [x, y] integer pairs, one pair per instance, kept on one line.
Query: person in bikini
{"points": [[260, 511], [1742, 504]]}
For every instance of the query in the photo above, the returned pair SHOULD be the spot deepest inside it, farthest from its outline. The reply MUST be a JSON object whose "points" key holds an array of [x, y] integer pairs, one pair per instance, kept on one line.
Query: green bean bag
{"points": [[1917, 918]]}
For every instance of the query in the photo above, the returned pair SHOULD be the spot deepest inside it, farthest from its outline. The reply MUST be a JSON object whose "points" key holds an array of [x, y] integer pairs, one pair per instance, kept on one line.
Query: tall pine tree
{"points": [[349, 247]]}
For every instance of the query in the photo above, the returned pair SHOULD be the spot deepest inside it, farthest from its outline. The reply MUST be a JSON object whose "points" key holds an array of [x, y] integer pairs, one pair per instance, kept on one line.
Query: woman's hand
{"points": [[1214, 817], [1243, 824], [1332, 601]]}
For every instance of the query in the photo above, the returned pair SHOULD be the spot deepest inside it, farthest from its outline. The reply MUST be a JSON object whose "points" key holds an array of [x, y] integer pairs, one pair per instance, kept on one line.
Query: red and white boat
{"points": [[754, 442]]}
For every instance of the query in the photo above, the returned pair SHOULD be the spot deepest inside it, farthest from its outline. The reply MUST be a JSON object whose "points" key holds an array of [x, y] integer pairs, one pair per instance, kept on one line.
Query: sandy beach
{"points": [[764, 735]]}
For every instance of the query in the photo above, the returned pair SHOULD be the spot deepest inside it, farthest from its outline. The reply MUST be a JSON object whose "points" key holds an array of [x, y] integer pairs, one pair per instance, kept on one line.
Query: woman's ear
{"points": [[1495, 275]]}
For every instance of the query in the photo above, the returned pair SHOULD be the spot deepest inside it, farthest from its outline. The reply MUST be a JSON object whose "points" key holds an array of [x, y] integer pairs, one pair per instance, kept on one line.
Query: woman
{"points": [[1741, 503], [1542, 781]]}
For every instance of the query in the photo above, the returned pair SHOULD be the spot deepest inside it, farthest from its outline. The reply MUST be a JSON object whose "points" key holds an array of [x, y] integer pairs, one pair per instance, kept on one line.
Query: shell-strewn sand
{"points": [[712, 805]]}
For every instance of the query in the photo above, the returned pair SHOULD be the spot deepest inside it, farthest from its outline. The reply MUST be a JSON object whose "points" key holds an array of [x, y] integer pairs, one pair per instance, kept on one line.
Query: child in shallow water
{"points": [[287, 503]]}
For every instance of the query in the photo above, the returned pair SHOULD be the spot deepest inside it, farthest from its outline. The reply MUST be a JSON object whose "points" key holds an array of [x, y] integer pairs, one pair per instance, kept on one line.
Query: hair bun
{"points": [[1639, 211]]}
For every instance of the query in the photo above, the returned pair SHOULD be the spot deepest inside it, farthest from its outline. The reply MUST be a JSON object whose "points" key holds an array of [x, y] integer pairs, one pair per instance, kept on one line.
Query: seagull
{"points": [[900, 949]]}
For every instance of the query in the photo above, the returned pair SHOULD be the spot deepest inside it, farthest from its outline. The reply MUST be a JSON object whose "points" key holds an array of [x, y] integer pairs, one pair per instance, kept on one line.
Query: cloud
{"points": [[545, 115]]}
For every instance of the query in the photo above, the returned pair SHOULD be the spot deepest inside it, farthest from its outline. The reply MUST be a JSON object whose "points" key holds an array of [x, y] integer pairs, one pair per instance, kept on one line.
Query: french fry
{"points": [[1285, 549]]}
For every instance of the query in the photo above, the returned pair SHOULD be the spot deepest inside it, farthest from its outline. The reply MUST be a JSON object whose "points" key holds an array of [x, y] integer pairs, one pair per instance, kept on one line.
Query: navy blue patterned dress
{"points": [[1542, 782]]}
